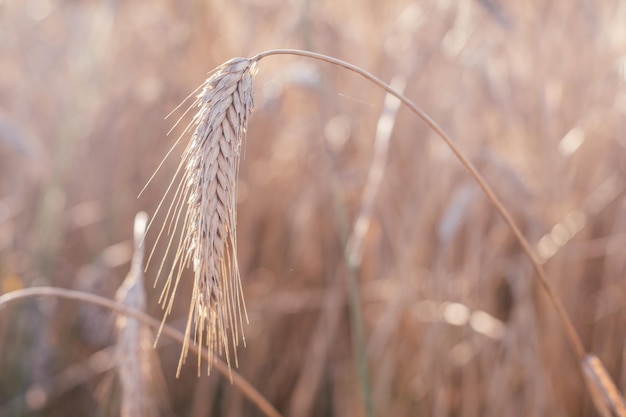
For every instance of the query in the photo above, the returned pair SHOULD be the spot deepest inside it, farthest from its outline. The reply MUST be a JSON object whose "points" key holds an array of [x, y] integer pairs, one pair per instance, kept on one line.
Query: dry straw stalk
{"points": [[206, 195], [237, 380]]}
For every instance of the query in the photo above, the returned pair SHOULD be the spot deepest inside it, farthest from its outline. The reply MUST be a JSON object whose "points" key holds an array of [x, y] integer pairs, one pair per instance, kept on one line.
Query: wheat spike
{"points": [[203, 206]]}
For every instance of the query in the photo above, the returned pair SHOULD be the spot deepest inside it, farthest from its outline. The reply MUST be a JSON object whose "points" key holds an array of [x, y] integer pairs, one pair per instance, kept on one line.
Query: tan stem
{"points": [[244, 386], [570, 331]]}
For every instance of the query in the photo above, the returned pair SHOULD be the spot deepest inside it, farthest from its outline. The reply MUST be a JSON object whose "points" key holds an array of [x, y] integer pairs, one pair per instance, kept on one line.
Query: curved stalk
{"points": [[570, 332], [244, 386]]}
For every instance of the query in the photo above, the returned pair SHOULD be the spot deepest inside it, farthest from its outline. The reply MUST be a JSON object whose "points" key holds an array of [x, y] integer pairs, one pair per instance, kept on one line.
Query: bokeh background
{"points": [[534, 94]]}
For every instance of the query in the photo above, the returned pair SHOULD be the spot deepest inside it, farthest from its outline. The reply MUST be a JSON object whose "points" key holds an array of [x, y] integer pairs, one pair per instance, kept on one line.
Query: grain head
{"points": [[204, 207]]}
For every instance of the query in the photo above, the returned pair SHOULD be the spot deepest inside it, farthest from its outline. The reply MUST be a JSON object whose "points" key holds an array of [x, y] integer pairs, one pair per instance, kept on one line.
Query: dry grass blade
{"points": [[143, 384], [206, 195]]}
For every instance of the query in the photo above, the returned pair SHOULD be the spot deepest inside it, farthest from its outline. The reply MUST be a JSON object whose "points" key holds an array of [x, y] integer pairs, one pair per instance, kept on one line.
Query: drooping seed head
{"points": [[207, 197]]}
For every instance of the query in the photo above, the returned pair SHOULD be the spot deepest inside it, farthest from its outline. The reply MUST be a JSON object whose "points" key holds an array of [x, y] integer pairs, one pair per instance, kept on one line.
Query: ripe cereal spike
{"points": [[206, 195]]}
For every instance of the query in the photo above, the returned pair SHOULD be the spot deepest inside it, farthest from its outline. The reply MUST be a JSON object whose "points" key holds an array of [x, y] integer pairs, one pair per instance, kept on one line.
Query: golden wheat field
{"points": [[379, 280]]}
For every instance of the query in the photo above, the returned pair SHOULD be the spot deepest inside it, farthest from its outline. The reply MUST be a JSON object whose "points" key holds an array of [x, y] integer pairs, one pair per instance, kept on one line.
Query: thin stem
{"points": [[570, 331], [244, 386], [358, 337]]}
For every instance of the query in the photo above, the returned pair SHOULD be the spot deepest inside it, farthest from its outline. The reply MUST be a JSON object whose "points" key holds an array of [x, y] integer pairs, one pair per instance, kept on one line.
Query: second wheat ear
{"points": [[204, 207]]}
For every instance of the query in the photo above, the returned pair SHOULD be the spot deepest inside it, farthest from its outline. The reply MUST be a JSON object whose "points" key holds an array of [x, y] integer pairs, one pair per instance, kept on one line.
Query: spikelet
{"points": [[204, 208]]}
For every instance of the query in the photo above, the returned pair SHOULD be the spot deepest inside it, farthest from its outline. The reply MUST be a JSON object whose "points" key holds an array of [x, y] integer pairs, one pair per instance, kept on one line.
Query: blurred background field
{"points": [[533, 92]]}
